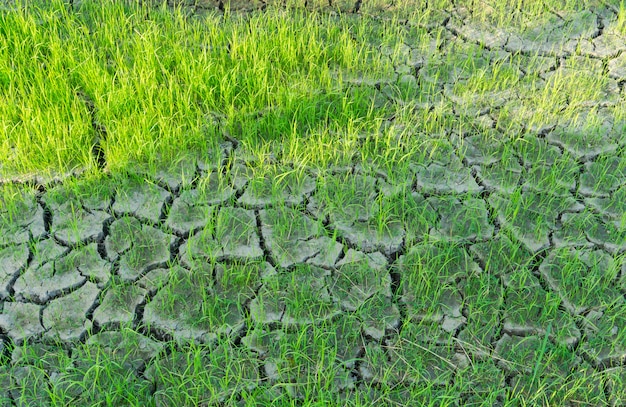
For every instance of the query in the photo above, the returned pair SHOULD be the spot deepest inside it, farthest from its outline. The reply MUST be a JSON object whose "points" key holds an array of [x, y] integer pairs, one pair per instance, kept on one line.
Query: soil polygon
{"points": [[66, 318]]}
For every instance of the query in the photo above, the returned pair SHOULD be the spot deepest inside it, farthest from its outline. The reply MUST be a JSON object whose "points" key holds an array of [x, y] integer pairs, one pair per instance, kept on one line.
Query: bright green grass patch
{"points": [[152, 84], [155, 76]]}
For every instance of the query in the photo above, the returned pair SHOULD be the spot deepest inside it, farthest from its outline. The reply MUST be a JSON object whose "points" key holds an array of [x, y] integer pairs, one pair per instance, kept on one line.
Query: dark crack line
{"points": [[165, 208], [47, 215], [175, 255], [100, 132], [6, 349], [267, 254], [106, 225], [11, 283], [51, 295]]}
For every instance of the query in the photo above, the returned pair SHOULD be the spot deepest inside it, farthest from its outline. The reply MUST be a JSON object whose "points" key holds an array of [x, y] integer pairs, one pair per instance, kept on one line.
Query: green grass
{"points": [[305, 94], [156, 82]]}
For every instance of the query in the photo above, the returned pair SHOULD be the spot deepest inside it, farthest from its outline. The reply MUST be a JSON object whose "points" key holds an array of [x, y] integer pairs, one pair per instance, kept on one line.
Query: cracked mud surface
{"points": [[451, 284]]}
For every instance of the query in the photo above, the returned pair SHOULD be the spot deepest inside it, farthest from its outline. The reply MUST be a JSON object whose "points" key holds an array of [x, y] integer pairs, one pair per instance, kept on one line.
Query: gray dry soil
{"points": [[76, 271]]}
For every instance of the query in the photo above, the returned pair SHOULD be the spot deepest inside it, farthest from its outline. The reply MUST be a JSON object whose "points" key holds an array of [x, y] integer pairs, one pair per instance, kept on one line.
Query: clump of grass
{"points": [[620, 24]]}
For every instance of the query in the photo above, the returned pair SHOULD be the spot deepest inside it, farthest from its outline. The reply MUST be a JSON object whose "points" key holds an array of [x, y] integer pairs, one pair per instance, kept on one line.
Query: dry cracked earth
{"points": [[490, 290]]}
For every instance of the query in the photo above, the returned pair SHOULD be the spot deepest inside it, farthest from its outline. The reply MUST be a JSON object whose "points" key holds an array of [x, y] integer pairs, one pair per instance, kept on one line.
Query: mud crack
{"points": [[99, 130]]}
